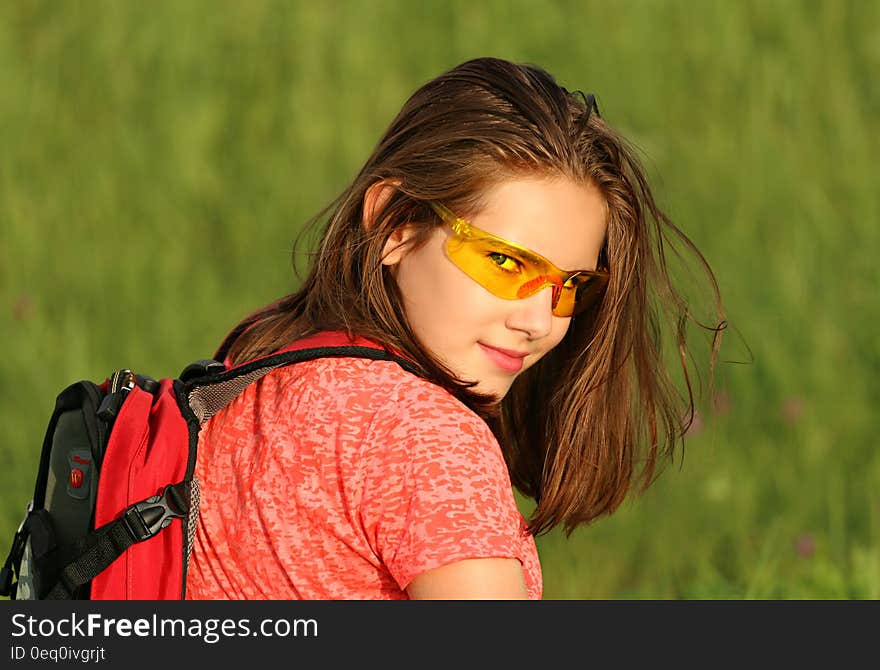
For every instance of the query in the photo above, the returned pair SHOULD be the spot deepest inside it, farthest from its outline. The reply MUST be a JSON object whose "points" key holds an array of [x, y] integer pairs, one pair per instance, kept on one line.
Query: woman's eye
{"points": [[504, 262]]}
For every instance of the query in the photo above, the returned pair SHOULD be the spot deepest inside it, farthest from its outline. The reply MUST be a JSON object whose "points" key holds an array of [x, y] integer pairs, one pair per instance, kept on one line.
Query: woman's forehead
{"points": [[560, 219]]}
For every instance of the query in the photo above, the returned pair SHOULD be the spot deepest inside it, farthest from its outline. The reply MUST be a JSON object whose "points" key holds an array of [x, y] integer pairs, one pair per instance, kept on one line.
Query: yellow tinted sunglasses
{"points": [[510, 271]]}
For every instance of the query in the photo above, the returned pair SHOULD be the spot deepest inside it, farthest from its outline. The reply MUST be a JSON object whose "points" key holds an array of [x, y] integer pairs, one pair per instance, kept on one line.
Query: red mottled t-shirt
{"points": [[344, 478]]}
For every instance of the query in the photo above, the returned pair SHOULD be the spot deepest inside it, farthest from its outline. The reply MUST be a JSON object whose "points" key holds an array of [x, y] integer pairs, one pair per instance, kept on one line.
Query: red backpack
{"points": [[115, 505]]}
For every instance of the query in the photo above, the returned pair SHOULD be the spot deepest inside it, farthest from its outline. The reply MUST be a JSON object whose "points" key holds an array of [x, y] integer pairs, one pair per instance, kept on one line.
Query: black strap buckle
{"points": [[146, 518], [11, 567], [201, 368]]}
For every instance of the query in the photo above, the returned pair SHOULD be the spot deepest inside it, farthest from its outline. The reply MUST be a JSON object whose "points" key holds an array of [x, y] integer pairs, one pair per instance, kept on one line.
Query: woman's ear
{"points": [[375, 199], [395, 245]]}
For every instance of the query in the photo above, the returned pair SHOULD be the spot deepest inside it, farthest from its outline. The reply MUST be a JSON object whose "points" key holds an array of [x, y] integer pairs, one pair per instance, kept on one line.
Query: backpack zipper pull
{"points": [[122, 380], [121, 383]]}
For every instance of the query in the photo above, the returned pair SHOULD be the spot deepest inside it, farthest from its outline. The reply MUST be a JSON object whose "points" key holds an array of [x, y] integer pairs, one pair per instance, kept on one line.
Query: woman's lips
{"points": [[507, 360]]}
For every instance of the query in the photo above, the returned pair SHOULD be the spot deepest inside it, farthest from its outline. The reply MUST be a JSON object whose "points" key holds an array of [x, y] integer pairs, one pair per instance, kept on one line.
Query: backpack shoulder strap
{"points": [[96, 551], [209, 394]]}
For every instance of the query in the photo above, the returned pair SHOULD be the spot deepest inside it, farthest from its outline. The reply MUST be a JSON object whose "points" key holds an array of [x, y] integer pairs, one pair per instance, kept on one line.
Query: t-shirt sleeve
{"points": [[436, 489]]}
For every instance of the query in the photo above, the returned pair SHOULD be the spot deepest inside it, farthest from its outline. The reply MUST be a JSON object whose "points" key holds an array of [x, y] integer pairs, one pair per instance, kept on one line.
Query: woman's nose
{"points": [[533, 315]]}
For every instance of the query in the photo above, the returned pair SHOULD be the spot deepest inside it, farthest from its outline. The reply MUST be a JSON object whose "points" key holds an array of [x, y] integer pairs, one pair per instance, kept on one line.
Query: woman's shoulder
{"points": [[393, 419], [375, 386]]}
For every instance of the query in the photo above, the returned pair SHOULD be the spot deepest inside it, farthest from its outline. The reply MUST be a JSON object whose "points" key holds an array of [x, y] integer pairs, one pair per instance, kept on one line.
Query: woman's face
{"points": [[479, 336]]}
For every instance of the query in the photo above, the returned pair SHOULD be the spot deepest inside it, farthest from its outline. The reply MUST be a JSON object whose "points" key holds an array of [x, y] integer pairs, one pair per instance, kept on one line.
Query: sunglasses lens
{"points": [[512, 274], [586, 290], [566, 304], [483, 262]]}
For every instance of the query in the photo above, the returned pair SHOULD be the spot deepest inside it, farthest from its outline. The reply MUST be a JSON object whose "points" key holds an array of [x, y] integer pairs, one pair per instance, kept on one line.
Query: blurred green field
{"points": [[157, 159]]}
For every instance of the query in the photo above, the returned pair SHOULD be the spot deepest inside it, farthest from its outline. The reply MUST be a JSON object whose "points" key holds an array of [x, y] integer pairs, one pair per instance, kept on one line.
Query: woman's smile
{"points": [[504, 358]]}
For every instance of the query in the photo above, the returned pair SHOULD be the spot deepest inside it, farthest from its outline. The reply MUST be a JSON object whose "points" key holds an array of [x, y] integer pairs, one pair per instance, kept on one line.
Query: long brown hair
{"points": [[599, 412]]}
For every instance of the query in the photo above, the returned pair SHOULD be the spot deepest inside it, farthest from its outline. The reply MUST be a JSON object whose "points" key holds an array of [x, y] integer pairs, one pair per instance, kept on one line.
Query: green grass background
{"points": [[157, 159]]}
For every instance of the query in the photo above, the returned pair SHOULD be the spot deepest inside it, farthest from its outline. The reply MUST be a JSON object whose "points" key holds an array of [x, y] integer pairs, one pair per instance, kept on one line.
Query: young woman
{"points": [[501, 239]]}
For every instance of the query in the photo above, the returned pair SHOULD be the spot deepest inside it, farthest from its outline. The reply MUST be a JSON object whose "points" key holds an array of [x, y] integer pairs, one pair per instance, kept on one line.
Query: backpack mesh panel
{"points": [[207, 400], [193, 517]]}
